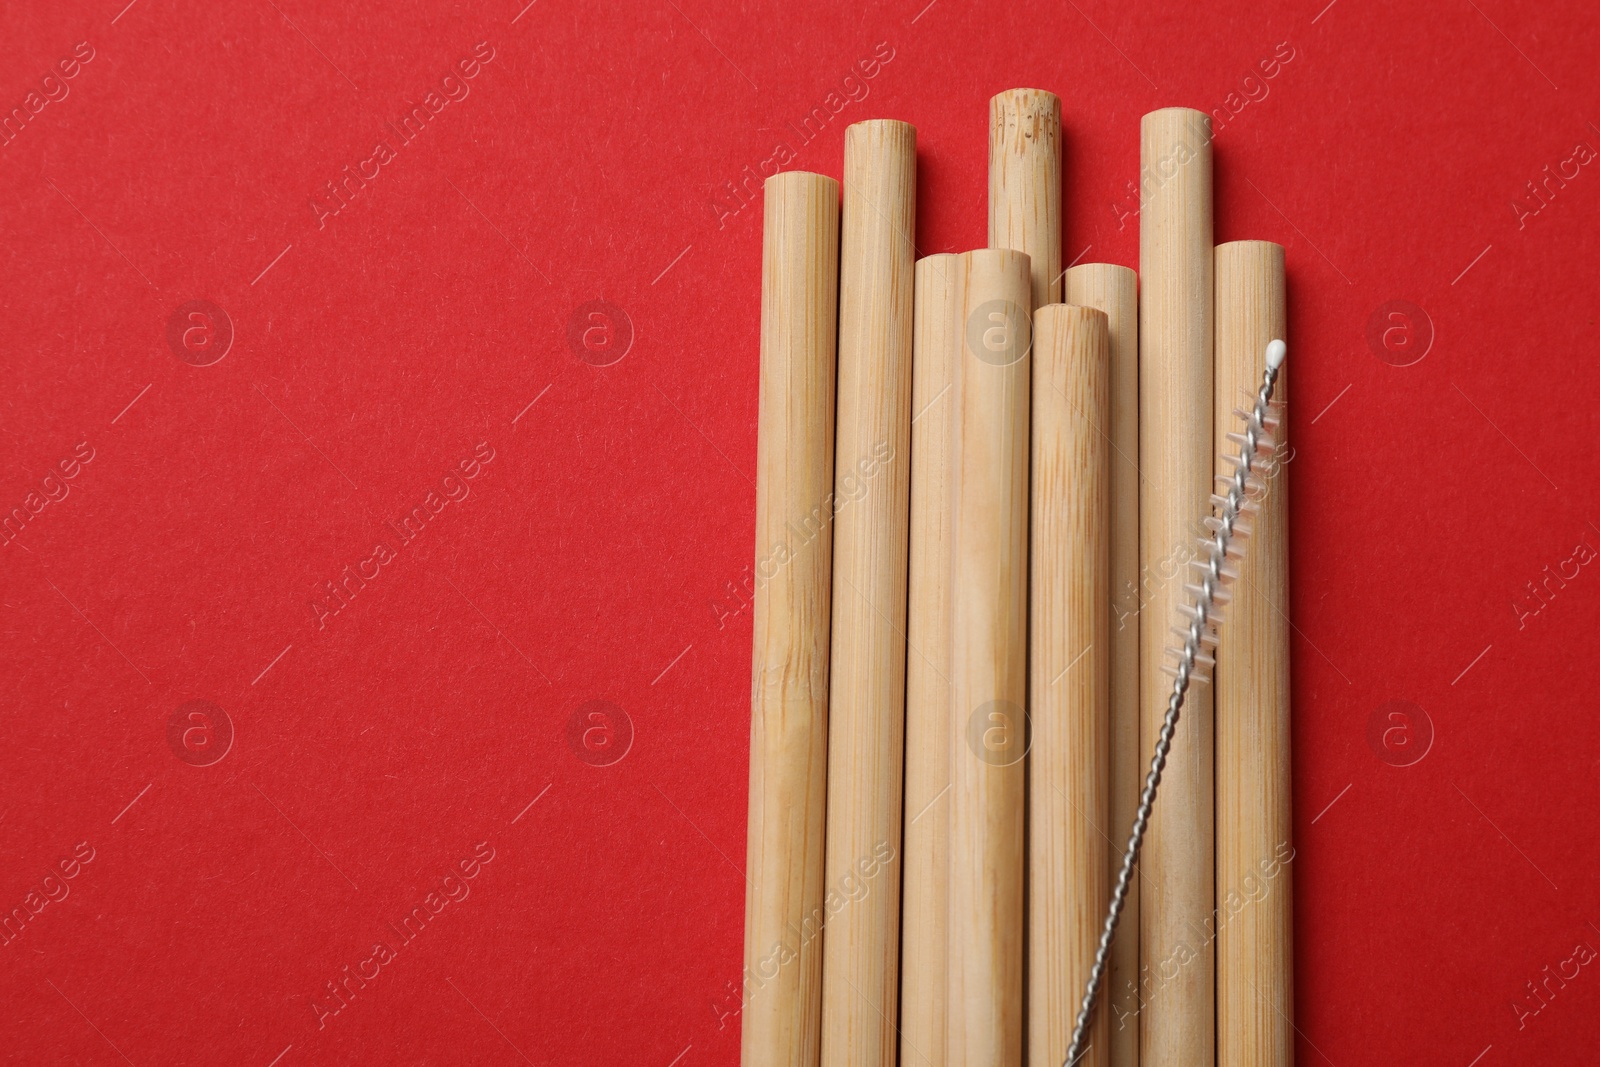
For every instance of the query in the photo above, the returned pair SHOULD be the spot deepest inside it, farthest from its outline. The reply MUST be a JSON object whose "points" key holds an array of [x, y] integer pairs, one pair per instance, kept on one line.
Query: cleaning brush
{"points": [[1217, 567]]}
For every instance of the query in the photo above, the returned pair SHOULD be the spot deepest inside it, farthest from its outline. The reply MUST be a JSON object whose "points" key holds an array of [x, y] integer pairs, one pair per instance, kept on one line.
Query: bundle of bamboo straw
{"points": [[975, 510]]}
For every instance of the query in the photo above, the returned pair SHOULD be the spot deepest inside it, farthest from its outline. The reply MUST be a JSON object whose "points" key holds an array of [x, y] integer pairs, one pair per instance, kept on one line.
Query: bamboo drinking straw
{"points": [[1025, 184], [924, 940], [1177, 1024], [1115, 290], [866, 713], [989, 660], [1069, 659], [789, 679], [1255, 993]]}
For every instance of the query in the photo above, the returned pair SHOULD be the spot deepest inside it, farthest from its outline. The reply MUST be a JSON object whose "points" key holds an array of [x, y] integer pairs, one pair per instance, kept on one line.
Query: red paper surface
{"points": [[445, 314]]}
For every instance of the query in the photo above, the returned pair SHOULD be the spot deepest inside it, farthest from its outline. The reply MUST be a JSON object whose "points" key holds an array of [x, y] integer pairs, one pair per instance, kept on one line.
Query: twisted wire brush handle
{"points": [[1202, 615]]}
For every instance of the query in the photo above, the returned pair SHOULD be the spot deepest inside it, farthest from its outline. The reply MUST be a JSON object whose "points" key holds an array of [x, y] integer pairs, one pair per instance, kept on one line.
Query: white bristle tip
{"points": [[1212, 523], [1277, 352], [1227, 572], [1247, 504], [1220, 596], [1195, 676], [1199, 657], [1208, 636], [1265, 442]]}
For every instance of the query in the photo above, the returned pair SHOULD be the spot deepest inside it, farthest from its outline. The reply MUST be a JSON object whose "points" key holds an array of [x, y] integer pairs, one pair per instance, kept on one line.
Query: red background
{"points": [[374, 352]]}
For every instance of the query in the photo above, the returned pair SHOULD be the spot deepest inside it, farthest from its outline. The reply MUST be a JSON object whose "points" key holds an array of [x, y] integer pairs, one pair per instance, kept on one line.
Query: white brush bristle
{"points": [[1219, 595], [1228, 571], [1208, 637], [1265, 442], [1198, 675], [1252, 483], [1200, 657], [1240, 529], [1248, 504]]}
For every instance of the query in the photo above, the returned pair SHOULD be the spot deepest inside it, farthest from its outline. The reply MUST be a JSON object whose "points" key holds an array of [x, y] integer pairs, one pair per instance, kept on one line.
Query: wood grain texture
{"points": [[989, 660], [1255, 930], [925, 902], [1177, 1020], [866, 708], [1115, 291], [789, 672], [1069, 660], [1025, 184]]}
